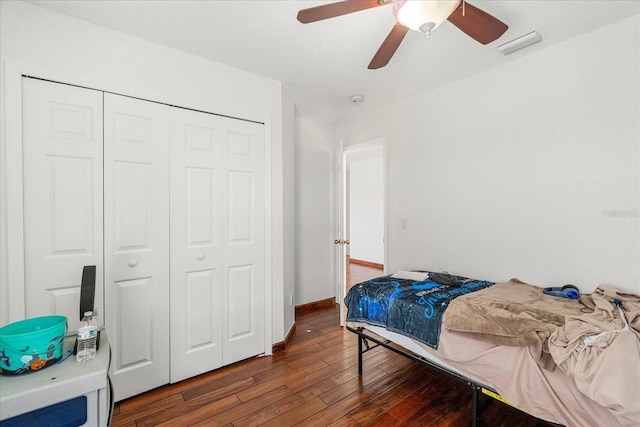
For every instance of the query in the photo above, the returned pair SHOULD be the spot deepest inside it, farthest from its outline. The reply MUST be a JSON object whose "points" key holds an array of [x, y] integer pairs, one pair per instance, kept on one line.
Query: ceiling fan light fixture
{"points": [[423, 15]]}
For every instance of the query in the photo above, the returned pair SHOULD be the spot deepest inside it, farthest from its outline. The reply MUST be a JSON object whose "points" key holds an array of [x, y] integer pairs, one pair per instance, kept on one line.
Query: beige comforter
{"points": [[586, 339], [513, 313], [601, 352]]}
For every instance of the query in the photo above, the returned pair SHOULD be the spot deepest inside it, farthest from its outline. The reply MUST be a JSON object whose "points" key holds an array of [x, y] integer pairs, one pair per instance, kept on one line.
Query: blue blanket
{"points": [[408, 307]]}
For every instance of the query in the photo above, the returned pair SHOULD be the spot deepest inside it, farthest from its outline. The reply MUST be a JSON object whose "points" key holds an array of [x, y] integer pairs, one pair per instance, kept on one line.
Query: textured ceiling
{"points": [[323, 63]]}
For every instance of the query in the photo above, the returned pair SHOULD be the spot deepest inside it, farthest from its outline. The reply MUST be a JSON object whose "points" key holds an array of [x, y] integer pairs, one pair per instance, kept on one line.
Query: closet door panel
{"points": [[241, 190], [240, 302], [196, 257], [135, 341], [136, 176], [243, 240], [62, 164], [133, 222]]}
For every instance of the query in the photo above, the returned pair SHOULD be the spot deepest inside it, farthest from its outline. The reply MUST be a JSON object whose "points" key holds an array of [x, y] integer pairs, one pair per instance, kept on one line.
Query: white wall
{"points": [[46, 44], [314, 232], [366, 210], [527, 170]]}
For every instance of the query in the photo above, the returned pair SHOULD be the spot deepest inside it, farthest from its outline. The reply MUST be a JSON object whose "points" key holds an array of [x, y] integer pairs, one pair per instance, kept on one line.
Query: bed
{"points": [[572, 362]]}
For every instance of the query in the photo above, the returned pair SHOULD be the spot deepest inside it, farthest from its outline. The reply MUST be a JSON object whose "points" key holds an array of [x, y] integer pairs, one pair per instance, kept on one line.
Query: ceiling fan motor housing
{"points": [[423, 15]]}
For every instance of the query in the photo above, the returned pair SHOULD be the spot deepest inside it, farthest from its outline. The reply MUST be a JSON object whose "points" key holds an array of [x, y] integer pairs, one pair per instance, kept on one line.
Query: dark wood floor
{"points": [[314, 382]]}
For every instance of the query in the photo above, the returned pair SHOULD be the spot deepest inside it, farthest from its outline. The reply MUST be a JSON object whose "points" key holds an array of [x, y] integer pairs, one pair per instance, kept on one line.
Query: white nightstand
{"points": [[24, 394]]}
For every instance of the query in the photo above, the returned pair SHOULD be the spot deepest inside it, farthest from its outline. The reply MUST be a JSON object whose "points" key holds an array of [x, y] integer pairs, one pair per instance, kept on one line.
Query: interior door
{"points": [[62, 161], [136, 202], [340, 274], [346, 157], [243, 239], [196, 243]]}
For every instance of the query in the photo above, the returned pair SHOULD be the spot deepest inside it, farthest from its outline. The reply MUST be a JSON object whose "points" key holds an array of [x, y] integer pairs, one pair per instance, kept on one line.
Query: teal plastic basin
{"points": [[31, 344]]}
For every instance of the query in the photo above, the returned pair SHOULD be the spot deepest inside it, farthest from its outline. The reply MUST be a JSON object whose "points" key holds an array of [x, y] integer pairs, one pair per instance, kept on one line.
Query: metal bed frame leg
{"points": [[360, 339], [474, 421]]}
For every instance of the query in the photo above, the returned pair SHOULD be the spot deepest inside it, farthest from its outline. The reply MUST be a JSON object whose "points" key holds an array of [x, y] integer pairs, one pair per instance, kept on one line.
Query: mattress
{"points": [[511, 371]]}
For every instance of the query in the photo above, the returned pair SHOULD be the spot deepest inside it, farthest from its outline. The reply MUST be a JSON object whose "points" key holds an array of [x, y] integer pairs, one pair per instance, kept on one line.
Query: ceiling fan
{"points": [[419, 15]]}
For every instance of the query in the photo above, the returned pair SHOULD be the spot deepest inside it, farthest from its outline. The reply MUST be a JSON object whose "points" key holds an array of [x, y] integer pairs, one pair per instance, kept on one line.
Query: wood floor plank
{"points": [[394, 364], [283, 379], [219, 391], [298, 414], [235, 413], [269, 412], [317, 376], [337, 410], [313, 357], [192, 410], [444, 400], [272, 373], [340, 354], [354, 385], [398, 389], [131, 416], [383, 420], [412, 403]]}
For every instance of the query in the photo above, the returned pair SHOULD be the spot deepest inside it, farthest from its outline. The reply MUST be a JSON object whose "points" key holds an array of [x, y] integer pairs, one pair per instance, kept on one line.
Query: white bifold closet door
{"points": [[196, 243], [243, 239], [136, 242], [62, 190], [217, 241], [169, 204]]}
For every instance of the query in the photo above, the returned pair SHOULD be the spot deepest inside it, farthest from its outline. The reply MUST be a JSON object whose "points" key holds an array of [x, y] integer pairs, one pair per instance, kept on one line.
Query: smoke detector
{"points": [[356, 99]]}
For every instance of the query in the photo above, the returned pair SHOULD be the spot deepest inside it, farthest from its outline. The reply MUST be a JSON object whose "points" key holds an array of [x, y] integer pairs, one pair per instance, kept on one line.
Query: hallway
{"points": [[357, 273]]}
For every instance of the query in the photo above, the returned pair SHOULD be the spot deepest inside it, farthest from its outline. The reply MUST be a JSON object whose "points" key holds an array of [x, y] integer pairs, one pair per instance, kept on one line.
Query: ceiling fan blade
{"points": [[332, 10], [388, 46], [477, 24]]}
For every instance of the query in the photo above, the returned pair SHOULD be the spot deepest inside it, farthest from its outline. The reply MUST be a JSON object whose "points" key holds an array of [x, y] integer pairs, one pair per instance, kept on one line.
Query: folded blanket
{"points": [[407, 306], [513, 313]]}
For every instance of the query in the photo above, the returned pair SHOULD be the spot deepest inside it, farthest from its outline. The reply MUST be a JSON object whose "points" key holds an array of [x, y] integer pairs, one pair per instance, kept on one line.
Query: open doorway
{"points": [[364, 213]]}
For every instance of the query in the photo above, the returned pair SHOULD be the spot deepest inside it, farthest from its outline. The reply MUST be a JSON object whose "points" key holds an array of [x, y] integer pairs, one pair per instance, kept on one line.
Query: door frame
{"points": [[12, 282], [341, 211]]}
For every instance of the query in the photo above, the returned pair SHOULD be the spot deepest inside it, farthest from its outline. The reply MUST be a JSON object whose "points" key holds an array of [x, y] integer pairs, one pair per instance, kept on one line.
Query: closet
{"points": [[169, 204], [217, 241]]}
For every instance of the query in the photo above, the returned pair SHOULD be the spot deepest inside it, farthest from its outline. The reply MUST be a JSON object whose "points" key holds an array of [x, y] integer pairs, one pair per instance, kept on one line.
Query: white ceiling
{"points": [[323, 63]]}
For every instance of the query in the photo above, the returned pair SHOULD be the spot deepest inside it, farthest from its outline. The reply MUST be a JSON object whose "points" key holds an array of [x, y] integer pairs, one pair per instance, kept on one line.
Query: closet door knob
{"points": [[133, 263], [201, 257]]}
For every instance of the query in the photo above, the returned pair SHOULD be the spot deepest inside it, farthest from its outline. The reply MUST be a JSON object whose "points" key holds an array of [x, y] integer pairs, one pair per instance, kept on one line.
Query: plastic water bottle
{"points": [[87, 334]]}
